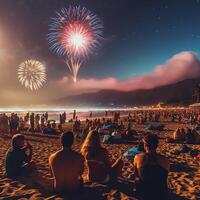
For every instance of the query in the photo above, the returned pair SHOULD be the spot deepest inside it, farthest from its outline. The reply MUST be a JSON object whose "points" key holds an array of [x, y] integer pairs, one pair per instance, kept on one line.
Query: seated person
{"points": [[99, 166], [18, 162], [116, 134], [183, 133], [54, 124], [140, 146], [130, 134], [197, 137], [151, 171], [178, 134], [67, 166], [190, 136]]}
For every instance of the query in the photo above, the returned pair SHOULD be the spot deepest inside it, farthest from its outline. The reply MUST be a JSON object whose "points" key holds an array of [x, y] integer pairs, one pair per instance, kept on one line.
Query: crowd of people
{"points": [[150, 171], [185, 135], [10, 125]]}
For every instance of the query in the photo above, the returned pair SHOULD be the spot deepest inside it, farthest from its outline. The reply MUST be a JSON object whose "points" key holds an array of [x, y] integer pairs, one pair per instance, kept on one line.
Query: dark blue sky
{"points": [[139, 34]]}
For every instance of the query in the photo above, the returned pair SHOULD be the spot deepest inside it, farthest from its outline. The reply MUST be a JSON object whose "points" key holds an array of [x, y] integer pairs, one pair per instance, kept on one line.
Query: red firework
{"points": [[77, 39]]}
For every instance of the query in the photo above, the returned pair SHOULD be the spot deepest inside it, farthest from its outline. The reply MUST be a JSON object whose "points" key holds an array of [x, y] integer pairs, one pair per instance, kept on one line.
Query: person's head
{"points": [[178, 130], [18, 141], [67, 139], [150, 142], [92, 142], [182, 130], [141, 146], [188, 131]]}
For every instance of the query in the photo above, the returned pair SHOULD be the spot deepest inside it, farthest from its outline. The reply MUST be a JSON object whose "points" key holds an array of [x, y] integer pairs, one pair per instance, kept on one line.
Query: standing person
{"points": [[37, 122], [106, 113], [4, 124], [1, 124], [46, 116], [1, 116], [17, 121], [151, 171], [61, 119], [100, 168], [67, 166], [21, 124], [26, 119], [74, 115], [18, 162], [64, 117], [32, 122], [13, 124], [42, 121]]}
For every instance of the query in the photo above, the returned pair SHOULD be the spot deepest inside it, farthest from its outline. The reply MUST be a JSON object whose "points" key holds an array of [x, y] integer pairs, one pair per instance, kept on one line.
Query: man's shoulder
{"points": [[61, 153], [140, 155], [9, 151], [15, 151], [53, 155]]}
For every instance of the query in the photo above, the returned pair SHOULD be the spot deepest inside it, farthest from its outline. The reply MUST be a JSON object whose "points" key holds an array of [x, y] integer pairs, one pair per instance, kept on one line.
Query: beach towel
{"points": [[183, 149], [49, 131], [130, 154], [198, 157], [107, 139], [169, 140], [194, 152], [154, 127], [109, 126]]}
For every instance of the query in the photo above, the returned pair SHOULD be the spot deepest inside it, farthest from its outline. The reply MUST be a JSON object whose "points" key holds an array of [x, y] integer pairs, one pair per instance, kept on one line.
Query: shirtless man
{"points": [[18, 158], [151, 171], [67, 166]]}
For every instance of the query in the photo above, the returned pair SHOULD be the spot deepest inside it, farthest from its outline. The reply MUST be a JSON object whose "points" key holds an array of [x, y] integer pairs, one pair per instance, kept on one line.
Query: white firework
{"points": [[74, 66], [32, 74]]}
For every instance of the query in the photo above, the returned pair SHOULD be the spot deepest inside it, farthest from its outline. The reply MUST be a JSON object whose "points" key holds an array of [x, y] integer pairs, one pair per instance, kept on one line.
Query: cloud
{"points": [[181, 66]]}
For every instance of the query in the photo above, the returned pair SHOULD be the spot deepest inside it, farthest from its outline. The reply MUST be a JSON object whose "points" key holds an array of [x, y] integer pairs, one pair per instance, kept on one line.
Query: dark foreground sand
{"points": [[184, 178]]}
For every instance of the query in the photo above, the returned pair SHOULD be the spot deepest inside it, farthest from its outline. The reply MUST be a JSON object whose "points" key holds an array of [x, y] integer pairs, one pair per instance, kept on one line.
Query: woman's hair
{"points": [[91, 144]]}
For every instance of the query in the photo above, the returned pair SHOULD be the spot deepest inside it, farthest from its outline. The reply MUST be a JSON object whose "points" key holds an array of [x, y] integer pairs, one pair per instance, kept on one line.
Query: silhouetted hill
{"points": [[178, 93]]}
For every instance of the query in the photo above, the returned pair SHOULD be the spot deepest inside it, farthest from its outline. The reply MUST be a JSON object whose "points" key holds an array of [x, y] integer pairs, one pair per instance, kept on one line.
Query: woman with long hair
{"points": [[98, 164]]}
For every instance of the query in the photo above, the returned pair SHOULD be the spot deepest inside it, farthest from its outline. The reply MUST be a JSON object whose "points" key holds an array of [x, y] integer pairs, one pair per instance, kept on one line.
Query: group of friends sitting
{"points": [[185, 135], [67, 166]]}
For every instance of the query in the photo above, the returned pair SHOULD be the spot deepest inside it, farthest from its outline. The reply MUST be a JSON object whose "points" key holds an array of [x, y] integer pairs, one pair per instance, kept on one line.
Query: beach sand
{"points": [[184, 178]]}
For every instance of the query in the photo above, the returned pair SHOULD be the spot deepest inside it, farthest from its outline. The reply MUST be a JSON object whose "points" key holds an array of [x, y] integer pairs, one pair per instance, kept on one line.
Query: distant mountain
{"points": [[178, 93]]}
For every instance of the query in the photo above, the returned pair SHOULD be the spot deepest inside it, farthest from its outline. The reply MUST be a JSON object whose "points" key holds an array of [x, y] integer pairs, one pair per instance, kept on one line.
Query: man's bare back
{"points": [[66, 166], [140, 161]]}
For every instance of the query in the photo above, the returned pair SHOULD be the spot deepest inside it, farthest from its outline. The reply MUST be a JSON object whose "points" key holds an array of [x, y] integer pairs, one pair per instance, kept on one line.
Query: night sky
{"points": [[138, 36]]}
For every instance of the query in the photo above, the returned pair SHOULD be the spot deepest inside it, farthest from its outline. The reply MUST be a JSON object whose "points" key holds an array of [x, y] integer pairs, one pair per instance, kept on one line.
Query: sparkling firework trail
{"points": [[74, 66], [75, 32], [32, 74]]}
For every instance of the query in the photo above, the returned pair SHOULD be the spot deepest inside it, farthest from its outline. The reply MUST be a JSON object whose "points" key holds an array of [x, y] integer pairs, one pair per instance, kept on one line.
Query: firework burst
{"points": [[32, 74], [75, 32]]}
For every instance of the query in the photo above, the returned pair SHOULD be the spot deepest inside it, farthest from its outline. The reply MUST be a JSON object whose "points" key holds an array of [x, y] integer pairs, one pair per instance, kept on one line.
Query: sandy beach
{"points": [[184, 176]]}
